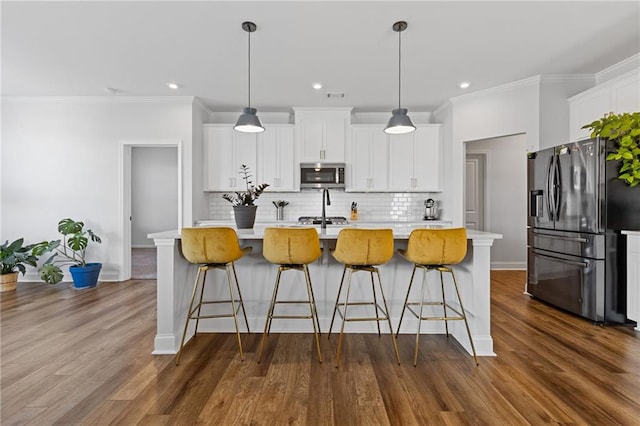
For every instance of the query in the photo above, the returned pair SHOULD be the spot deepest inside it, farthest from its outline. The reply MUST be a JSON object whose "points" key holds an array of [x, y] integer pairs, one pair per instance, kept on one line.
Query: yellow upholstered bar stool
{"points": [[213, 248], [435, 250], [292, 248], [362, 250]]}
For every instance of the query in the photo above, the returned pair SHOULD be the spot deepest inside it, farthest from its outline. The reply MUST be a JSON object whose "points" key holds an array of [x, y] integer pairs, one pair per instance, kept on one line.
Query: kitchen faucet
{"points": [[325, 192]]}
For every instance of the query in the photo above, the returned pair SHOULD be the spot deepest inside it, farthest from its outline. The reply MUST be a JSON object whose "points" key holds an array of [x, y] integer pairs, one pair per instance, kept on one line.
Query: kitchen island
{"points": [[633, 276], [256, 277]]}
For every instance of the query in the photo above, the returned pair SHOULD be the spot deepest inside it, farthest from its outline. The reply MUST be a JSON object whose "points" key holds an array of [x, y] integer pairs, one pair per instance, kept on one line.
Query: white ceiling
{"points": [[80, 48]]}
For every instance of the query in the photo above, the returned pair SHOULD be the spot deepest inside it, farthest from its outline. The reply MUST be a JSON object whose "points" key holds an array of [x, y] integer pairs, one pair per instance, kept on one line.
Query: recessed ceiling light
{"points": [[317, 86], [173, 86], [464, 85]]}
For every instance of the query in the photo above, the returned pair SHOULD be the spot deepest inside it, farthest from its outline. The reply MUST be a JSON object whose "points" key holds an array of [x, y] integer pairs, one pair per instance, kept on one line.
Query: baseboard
{"points": [[142, 246], [509, 265]]}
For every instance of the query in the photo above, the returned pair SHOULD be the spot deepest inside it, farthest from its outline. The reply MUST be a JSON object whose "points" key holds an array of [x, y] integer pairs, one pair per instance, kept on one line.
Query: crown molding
{"points": [[622, 67], [530, 81], [446, 104]]}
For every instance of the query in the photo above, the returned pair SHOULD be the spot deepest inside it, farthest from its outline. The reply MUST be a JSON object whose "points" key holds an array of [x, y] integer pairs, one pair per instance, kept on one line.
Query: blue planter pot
{"points": [[85, 276]]}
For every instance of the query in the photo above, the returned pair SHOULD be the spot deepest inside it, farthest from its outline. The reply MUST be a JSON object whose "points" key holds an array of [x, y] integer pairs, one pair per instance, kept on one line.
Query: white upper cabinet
{"points": [[619, 95], [225, 151], [368, 154], [322, 133], [415, 159], [276, 161]]}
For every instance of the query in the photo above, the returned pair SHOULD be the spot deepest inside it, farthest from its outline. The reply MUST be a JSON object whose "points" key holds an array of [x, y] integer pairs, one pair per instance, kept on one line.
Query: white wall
{"points": [[505, 197], [60, 158], [154, 192]]}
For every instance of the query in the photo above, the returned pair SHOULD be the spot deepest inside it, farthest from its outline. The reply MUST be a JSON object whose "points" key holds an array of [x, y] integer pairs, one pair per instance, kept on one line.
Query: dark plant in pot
{"points": [[15, 257], [244, 208], [71, 251]]}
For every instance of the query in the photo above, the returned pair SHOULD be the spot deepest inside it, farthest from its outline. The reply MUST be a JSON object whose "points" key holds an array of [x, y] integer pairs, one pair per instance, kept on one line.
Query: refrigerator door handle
{"points": [[550, 189], [556, 259], [556, 188], [560, 237]]}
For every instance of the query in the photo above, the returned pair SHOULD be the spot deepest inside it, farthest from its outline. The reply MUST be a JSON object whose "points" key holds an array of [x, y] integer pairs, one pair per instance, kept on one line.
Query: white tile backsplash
{"points": [[383, 206]]}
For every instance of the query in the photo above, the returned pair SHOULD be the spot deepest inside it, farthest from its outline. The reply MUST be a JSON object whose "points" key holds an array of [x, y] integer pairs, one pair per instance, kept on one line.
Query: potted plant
{"points": [[244, 208], [71, 251], [624, 131], [13, 259]]}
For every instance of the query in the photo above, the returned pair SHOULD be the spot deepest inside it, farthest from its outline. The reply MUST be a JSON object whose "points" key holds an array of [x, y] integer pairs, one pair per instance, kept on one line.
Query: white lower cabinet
{"points": [[369, 154], [225, 150], [633, 276], [276, 161], [415, 159]]}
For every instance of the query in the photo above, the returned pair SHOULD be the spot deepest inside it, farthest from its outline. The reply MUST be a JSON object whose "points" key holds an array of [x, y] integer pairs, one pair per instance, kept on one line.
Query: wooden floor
{"points": [[83, 357]]}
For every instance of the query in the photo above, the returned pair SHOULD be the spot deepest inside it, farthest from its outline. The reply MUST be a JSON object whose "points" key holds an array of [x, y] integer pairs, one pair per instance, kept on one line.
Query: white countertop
{"points": [[401, 230], [635, 233]]}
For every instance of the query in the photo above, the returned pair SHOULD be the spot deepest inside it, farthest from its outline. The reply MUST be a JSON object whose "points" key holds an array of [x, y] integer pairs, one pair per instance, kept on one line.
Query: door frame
{"points": [[124, 161]]}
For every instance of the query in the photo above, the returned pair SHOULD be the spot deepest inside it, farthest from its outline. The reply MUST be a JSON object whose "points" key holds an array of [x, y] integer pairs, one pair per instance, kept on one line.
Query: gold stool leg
{"points": [[204, 279], [406, 299], [444, 305], [244, 312], [424, 283], [267, 324], [186, 324], [375, 303], [344, 317], [464, 315], [313, 299], [335, 308], [314, 313], [386, 310], [233, 311]]}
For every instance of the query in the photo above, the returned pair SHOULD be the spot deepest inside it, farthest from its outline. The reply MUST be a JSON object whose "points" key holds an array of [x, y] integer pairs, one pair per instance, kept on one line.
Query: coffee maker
{"points": [[430, 209]]}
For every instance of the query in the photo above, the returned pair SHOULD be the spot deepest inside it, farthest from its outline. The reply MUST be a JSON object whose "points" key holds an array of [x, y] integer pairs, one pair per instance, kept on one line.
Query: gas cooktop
{"points": [[317, 220]]}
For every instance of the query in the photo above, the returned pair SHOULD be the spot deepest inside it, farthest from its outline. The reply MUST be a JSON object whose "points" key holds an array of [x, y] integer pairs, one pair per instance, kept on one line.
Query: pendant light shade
{"points": [[399, 122], [248, 122]]}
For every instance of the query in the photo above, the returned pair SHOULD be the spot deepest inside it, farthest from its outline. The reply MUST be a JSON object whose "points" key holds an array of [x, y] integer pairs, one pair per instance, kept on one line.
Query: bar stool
{"points": [[362, 250], [292, 248], [435, 250], [213, 248]]}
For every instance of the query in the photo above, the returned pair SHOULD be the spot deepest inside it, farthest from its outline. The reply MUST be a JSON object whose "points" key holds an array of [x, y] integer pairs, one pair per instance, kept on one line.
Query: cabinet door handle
{"points": [[322, 154], [414, 182]]}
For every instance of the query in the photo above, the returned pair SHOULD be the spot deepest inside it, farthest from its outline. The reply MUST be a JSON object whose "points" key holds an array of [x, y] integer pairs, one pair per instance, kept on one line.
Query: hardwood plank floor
{"points": [[84, 357]]}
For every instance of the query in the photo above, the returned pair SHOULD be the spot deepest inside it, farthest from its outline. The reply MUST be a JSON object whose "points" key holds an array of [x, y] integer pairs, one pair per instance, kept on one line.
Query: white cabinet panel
{"points": [[619, 95], [276, 161], [369, 155], [322, 133], [225, 151], [415, 160]]}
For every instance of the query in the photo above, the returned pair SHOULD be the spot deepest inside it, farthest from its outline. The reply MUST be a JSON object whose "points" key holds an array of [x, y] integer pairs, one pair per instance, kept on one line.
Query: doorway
{"points": [[151, 201]]}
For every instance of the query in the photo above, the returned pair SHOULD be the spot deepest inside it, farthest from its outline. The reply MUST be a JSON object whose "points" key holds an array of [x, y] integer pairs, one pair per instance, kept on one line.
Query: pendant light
{"points": [[248, 122], [399, 122]]}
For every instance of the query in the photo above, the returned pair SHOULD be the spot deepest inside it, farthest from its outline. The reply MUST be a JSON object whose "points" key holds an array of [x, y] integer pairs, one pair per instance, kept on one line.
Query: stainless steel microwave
{"points": [[322, 175]]}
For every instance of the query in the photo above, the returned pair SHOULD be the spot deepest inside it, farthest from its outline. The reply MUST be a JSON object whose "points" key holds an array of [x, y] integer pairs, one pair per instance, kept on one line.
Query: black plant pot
{"points": [[245, 216]]}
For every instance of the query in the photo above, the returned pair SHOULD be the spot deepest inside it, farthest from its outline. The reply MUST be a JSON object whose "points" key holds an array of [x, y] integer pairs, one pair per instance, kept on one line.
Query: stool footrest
{"points": [[417, 315], [211, 302], [341, 305]]}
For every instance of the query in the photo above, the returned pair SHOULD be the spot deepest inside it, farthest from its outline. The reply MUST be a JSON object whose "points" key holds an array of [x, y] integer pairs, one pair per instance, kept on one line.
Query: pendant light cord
{"points": [[399, 65], [249, 72]]}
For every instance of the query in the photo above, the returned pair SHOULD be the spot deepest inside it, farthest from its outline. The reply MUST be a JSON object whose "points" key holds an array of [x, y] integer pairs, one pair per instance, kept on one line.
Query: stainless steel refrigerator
{"points": [[576, 255]]}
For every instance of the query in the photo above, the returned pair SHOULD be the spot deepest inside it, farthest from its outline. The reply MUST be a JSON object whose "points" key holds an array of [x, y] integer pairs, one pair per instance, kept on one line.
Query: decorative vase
{"points": [[245, 216], [8, 282], [85, 276]]}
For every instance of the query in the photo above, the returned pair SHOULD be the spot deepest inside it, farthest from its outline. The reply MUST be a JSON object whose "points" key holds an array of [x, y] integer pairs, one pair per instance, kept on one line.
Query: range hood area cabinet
{"points": [[269, 155], [322, 133], [402, 163], [276, 159], [224, 151]]}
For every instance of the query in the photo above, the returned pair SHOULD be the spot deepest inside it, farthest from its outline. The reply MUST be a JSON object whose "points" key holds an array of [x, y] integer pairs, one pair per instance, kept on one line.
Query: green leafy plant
{"points": [[15, 256], [624, 130], [251, 194], [70, 251]]}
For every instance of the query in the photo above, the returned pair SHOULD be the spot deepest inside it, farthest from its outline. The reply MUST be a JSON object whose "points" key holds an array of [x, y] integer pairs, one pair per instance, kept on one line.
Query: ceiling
{"points": [[80, 48]]}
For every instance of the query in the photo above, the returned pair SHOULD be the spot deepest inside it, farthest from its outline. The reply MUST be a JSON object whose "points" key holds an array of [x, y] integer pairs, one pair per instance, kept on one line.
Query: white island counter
{"points": [[256, 277], [633, 276]]}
